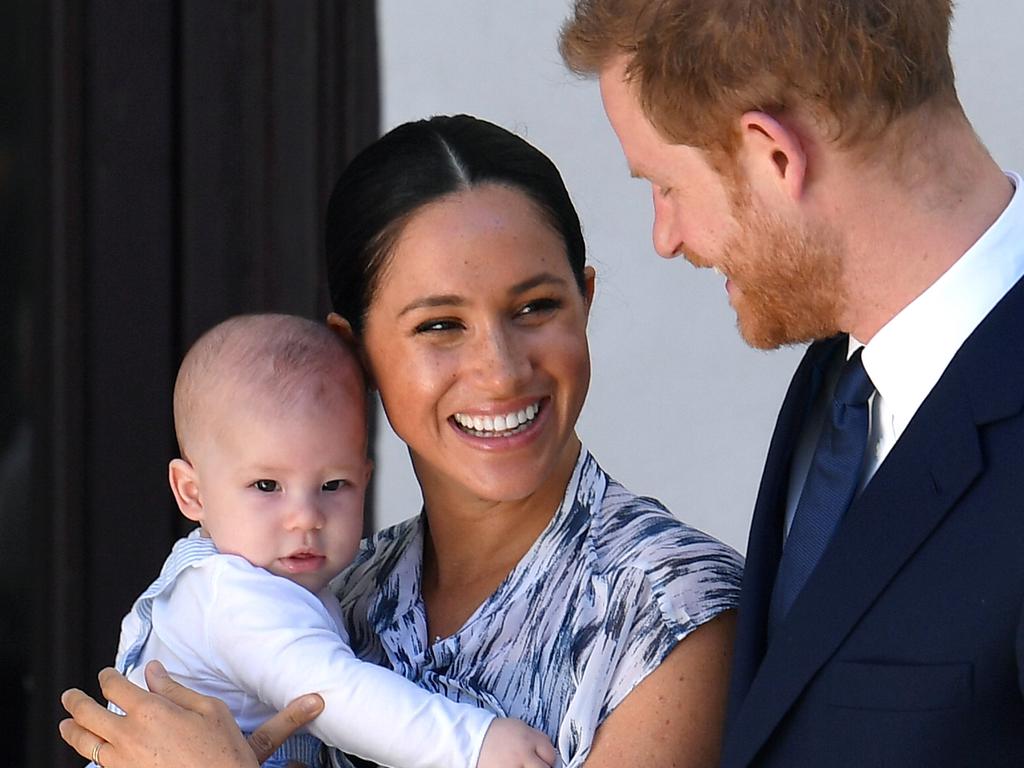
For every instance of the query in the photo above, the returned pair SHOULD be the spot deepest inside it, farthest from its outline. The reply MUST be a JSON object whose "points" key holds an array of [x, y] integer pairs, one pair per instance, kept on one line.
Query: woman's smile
{"points": [[492, 425]]}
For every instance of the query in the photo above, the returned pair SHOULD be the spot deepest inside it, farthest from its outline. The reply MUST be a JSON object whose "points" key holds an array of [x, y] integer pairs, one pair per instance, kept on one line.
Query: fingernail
{"points": [[156, 669], [311, 704]]}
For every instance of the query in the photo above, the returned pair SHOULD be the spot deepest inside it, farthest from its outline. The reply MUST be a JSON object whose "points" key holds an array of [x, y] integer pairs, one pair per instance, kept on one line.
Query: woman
{"points": [[532, 583]]}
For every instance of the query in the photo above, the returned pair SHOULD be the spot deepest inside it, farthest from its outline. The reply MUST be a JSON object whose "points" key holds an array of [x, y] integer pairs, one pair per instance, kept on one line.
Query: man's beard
{"points": [[786, 282]]}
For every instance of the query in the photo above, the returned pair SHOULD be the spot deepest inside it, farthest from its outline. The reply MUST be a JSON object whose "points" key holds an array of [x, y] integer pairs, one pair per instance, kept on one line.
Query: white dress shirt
{"points": [[909, 354]]}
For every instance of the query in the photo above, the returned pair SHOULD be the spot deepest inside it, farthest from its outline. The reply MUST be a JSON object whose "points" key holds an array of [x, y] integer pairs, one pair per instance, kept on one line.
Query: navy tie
{"points": [[830, 486]]}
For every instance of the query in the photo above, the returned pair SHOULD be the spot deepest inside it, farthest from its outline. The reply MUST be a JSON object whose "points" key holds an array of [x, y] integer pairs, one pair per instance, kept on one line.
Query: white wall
{"points": [[679, 407]]}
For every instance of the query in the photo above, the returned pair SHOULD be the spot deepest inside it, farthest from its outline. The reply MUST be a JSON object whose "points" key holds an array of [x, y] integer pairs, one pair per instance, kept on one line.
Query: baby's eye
{"points": [[266, 486], [333, 485]]}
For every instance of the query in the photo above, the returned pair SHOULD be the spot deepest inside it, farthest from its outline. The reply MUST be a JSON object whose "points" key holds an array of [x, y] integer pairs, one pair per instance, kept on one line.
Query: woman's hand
{"points": [[171, 726]]}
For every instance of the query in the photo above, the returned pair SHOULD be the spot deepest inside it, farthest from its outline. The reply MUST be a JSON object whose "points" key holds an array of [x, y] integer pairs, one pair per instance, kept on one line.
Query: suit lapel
{"points": [[930, 467], [765, 542]]}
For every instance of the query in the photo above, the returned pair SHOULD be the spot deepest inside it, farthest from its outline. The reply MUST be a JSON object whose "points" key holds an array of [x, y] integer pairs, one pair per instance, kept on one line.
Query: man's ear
{"points": [[773, 156], [185, 487], [343, 328]]}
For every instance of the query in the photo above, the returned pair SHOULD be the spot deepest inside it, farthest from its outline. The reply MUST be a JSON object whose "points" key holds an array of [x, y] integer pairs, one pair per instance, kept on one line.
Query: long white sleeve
{"points": [[268, 637]]}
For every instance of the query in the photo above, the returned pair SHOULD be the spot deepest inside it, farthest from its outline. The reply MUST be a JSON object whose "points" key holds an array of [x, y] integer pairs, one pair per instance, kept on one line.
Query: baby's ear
{"points": [[185, 487]]}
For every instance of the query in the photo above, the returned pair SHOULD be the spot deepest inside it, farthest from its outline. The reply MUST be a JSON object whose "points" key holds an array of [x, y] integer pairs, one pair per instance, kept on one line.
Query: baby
{"points": [[270, 414]]}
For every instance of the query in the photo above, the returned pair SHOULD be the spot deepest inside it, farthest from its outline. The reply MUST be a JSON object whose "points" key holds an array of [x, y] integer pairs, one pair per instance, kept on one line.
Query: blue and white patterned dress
{"points": [[605, 593]]}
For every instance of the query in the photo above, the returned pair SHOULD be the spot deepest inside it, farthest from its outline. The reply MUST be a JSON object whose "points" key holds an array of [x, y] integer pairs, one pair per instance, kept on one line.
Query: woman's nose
{"points": [[502, 362], [665, 231]]}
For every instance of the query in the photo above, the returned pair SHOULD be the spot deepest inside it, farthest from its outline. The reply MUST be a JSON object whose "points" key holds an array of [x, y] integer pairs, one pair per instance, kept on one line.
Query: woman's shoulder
{"points": [[628, 526], [681, 565]]}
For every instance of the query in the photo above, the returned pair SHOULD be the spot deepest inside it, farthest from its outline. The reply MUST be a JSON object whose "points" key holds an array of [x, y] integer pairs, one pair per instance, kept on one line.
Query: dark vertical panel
{"points": [[129, 330], [189, 147], [58, 363], [220, 209], [348, 120], [292, 136], [254, 152], [349, 91]]}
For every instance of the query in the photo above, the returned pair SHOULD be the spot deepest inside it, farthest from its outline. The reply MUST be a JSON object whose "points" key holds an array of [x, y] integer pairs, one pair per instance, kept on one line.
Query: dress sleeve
{"points": [[661, 600], [276, 640]]}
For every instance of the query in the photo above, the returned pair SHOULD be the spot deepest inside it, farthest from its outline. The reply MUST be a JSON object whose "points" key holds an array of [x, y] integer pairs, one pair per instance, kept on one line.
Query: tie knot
{"points": [[854, 386]]}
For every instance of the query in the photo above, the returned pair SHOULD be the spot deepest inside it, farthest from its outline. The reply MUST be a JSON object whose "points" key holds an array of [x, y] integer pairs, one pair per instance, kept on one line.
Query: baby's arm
{"points": [[275, 640]]}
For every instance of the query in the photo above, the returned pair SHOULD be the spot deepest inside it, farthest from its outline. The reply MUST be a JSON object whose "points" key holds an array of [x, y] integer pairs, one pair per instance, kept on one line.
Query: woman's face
{"points": [[476, 340]]}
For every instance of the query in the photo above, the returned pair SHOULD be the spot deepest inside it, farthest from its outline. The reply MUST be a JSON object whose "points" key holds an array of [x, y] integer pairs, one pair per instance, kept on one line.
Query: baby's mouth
{"points": [[300, 562]]}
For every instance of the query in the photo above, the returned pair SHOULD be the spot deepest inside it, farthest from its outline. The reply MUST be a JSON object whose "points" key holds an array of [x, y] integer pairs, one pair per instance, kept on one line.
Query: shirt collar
{"points": [[906, 358]]}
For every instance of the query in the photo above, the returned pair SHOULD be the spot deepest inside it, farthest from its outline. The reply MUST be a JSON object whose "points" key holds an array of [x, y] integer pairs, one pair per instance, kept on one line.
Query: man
{"points": [[816, 154]]}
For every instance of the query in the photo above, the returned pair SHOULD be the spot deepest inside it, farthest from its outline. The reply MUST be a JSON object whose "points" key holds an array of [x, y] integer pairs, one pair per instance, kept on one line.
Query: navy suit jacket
{"points": [[906, 646]]}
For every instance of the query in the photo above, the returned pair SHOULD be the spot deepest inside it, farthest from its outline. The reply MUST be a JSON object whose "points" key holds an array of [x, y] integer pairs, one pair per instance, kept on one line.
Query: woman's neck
{"points": [[472, 544]]}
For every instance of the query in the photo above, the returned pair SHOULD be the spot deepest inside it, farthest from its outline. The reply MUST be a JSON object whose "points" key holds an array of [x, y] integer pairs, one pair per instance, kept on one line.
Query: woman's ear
{"points": [[185, 487], [343, 328], [589, 284], [773, 155]]}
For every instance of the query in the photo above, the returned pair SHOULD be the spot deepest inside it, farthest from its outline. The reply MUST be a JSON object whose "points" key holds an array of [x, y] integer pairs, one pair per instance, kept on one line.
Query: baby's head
{"points": [[270, 413]]}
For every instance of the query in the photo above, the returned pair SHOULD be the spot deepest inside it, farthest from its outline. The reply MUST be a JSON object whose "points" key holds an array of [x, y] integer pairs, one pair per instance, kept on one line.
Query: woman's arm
{"points": [[675, 716], [172, 726]]}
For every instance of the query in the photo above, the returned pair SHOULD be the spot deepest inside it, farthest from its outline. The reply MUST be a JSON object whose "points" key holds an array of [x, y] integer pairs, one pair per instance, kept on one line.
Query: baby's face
{"points": [[286, 492]]}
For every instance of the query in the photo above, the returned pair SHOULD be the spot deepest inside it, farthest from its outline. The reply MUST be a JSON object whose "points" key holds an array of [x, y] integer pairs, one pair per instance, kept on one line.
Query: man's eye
{"points": [[333, 485], [267, 486]]}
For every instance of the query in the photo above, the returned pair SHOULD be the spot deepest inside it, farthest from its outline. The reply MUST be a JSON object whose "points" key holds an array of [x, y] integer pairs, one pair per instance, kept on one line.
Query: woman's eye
{"points": [[540, 306], [333, 485], [435, 326], [266, 486]]}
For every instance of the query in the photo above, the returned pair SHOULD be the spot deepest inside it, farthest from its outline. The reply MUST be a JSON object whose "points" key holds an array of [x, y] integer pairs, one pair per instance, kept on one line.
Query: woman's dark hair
{"points": [[419, 163]]}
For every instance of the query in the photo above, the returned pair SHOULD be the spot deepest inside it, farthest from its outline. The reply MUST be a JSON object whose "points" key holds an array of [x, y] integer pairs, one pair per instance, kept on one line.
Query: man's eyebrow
{"points": [[439, 300]]}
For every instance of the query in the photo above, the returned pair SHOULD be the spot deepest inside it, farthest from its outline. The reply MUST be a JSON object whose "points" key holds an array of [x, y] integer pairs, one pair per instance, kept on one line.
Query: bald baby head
{"points": [[262, 365]]}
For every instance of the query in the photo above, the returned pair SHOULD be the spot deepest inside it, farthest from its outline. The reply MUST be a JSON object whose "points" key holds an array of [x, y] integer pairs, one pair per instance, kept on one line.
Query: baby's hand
{"points": [[513, 744]]}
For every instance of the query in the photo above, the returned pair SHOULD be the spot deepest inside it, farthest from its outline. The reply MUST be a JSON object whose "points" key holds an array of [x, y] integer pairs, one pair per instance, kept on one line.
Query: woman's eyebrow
{"points": [[454, 300], [441, 300], [544, 278]]}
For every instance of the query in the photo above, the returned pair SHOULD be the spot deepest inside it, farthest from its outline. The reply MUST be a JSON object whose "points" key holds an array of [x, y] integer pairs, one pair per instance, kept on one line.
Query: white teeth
{"points": [[490, 426]]}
